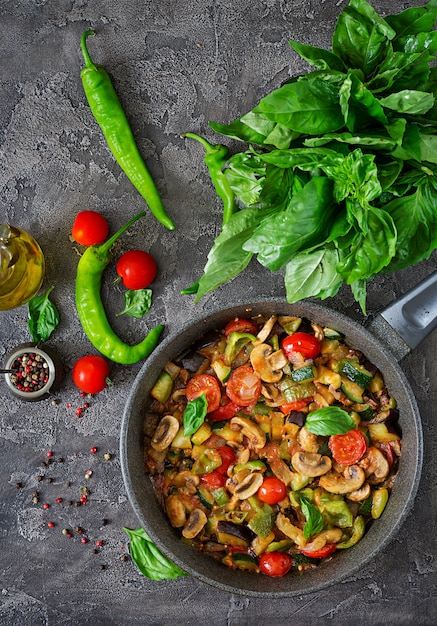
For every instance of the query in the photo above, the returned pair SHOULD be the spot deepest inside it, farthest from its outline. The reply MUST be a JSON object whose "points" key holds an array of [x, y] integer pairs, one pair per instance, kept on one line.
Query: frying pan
{"points": [[388, 339]]}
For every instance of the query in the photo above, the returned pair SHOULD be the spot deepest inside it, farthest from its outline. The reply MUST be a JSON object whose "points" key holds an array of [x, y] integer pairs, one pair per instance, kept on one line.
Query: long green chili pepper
{"points": [[215, 159], [91, 311], [110, 116]]}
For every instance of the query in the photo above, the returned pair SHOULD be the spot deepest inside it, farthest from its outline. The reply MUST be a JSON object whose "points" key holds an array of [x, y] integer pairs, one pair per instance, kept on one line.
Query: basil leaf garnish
{"points": [[329, 420], [314, 519], [137, 303], [194, 414], [43, 316], [149, 559]]}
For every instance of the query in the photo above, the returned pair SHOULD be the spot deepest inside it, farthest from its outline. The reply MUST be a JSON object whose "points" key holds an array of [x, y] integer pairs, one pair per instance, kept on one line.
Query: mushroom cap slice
{"points": [[268, 364], [196, 521], [311, 463], [350, 480], [165, 432]]}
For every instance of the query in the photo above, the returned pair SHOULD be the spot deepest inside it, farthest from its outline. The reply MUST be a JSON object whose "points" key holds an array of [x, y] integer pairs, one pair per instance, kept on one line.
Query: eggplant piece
{"points": [[232, 534], [296, 417]]}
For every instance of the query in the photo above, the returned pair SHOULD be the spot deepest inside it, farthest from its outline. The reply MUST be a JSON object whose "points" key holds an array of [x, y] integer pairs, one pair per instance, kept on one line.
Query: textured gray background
{"points": [[176, 65]]}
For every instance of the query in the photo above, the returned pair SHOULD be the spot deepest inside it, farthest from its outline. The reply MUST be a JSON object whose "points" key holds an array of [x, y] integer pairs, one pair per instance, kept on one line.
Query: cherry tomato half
{"points": [[90, 373], [306, 344], [224, 412], [275, 563], [327, 549], [137, 269], [213, 480], [272, 490], [89, 228], [297, 405], [348, 449], [228, 458], [241, 325], [243, 386], [207, 384]]}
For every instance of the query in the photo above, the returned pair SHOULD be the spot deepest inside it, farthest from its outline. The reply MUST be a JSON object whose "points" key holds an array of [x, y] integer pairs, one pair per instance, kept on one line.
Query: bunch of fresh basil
{"points": [[338, 183]]}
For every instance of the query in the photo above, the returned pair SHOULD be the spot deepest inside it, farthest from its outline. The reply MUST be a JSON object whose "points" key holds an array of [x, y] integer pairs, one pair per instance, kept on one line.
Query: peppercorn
{"points": [[19, 485], [124, 557], [107, 456], [38, 478], [49, 479], [51, 524]]}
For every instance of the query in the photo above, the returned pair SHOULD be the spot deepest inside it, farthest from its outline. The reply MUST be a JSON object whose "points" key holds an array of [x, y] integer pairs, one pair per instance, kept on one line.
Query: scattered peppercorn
{"points": [[69, 502], [19, 485], [88, 474], [51, 524], [99, 543], [67, 483], [107, 456], [34, 494], [58, 500], [124, 557], [49, 454], [102, 566], [93, 450], [38, 478], [49, 479], [46, 505], [35, 500], [84, 540], [65, 531]]}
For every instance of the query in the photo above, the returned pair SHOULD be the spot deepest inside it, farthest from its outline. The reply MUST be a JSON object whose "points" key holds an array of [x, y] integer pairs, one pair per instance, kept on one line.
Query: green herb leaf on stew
{"points": [[314, 519], [194, 414], [137, 303], [329, 420], [149, 559], [43, 316]]}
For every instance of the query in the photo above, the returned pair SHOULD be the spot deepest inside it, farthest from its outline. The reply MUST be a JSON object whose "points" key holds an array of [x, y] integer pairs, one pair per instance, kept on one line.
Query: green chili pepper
{"points": [[92, 313], [110, 116], [215, 159]]}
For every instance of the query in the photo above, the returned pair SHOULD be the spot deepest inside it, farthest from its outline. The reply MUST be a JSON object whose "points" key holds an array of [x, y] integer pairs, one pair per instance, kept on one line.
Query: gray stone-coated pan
{"points": [[383, 346]]}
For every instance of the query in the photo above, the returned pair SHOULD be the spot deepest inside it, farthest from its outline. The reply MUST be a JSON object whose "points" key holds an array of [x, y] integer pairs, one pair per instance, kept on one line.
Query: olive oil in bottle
{"points": [[21, 267]]}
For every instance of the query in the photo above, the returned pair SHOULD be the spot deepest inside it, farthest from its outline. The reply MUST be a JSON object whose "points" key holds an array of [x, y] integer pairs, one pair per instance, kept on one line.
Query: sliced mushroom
{"points": [[375, 466], [266, 329], [268, 364], [175, 509], [248, 486], [360, 494], [186, 481], [350, 480], [311, 463], [251, 430], [291, 531], [196, 521], [318, 332], [307, 440], [165, 432], [281, 470], [320, 540]]}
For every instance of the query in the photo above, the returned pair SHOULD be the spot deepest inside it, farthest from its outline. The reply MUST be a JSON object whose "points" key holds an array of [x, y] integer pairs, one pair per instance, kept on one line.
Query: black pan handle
{"points": [[405, 323]]}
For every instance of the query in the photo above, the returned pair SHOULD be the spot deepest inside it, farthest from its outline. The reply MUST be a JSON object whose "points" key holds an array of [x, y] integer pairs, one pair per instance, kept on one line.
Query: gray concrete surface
{"points": [[176, 64]]}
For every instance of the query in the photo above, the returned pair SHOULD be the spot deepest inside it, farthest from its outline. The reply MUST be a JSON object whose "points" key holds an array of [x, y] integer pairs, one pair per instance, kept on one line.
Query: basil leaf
{"points": [[149, 559], [314, 519], [194, 414], [137, 303], [43, 316], [329, 420], [312, 274]]}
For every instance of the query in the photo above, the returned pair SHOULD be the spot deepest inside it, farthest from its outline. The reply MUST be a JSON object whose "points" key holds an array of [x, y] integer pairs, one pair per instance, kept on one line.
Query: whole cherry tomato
{"points": [[348, 449], [275, 563], [306, 344], [321, 553], [241, 325], [243, 386], [207, 384], [90, 373], [89, 228], [272, 490], [137, 269]]}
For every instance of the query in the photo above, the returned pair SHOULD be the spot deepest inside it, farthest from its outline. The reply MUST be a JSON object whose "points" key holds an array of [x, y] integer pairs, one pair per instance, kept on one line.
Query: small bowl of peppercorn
{"points": [[32, 373]]}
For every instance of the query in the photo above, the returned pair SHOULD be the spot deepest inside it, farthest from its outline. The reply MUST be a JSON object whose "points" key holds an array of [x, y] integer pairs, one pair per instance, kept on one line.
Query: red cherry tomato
{"points": [[241, 325], [228, 458], [327, 549], [275, 563], [243, 386], [306, 344], [207, 384], [348, 449], [90, 373], [137, 269], [297, 405], [272, 490], [213, 480], [224, 412], [89, 228]]}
